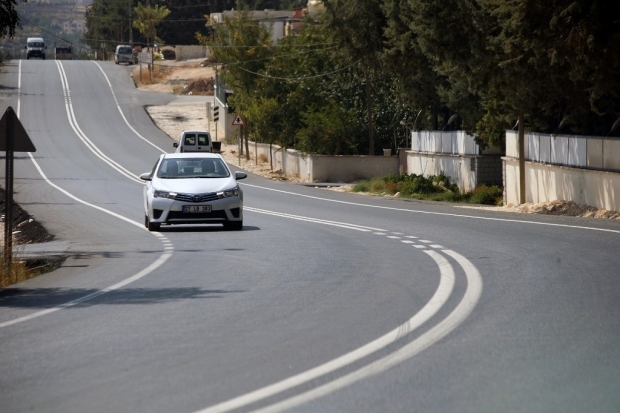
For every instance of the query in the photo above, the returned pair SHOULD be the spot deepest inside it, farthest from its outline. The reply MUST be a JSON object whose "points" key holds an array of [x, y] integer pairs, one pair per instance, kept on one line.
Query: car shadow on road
{"points": [[202, 228], [52, 297]]}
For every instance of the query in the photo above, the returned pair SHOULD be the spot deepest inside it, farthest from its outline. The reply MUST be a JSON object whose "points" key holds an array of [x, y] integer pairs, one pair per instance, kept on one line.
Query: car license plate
{"points": [[196, 208]]}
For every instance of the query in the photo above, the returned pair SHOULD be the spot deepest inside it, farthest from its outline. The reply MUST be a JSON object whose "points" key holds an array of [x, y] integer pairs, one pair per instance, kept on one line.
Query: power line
{"points": [[296, 78]]}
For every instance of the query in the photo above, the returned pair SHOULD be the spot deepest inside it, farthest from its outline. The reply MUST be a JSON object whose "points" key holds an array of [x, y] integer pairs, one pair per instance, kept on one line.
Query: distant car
{"points": [[123, 54], [63, 53], [35, 47], [194, 141], [192, 188]]}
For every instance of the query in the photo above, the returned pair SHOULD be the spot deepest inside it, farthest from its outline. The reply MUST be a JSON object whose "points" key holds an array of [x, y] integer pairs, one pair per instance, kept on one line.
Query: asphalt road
{"points": [[325, 302]]}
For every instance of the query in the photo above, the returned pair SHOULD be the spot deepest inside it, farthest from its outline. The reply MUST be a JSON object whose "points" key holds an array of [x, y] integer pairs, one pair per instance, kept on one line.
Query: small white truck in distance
{"points": [[194, 141]]}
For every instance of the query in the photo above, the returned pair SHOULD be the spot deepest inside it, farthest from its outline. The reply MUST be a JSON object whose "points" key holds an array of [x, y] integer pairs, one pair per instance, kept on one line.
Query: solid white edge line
{"points": [[122, 114], [434, 213], [159, 262], [451, 322], [443, 292]]}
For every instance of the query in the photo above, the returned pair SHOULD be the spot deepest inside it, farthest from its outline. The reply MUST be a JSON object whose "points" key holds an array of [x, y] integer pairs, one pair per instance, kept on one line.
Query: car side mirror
{"points": [[176, 144], [146, 176], [240, 175]]}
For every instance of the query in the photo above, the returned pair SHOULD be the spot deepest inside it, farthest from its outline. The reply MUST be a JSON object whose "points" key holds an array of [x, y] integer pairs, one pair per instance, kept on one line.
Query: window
{"points": [[190, 139], [203, 139]]}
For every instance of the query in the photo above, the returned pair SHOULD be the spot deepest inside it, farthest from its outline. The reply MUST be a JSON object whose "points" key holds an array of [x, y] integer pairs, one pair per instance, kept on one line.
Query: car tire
{"points": [[233, 225]]}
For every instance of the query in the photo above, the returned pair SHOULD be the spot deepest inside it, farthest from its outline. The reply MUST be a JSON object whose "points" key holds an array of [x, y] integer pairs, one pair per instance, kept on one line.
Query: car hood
{"points": [[194, 185]]}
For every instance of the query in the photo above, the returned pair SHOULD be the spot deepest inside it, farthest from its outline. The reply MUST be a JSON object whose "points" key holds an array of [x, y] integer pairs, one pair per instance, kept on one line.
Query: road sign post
{"points": [[13, 138], [216, 118], [239, 122]]}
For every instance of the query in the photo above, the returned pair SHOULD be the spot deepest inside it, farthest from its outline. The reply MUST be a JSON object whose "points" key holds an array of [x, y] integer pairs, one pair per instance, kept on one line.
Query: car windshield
{"points": [[124, 50], [184, 168], [35, 44]]}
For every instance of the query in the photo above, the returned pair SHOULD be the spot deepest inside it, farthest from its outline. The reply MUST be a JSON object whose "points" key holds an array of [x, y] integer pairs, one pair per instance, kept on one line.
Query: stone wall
{"points": [[489, 170]]}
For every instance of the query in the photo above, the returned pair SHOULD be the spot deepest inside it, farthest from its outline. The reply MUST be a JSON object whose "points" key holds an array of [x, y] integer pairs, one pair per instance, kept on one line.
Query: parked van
{"points": [[63, 53], [35, 47], [194, 141], [123, 54]]}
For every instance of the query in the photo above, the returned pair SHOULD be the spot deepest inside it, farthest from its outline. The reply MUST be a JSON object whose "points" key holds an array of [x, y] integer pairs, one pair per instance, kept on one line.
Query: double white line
{"points": [[439, 299], [89, 144]]}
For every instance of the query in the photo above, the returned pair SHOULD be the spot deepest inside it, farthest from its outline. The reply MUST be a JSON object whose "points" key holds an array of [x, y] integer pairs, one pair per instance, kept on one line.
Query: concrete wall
{"points": [[189, 52], [323, 168], [460, 168], [582, 169], [544, 183]]}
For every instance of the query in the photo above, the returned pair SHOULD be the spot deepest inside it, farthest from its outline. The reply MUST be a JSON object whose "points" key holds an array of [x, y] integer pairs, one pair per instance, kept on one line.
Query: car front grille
{"points": [[197, 197], [178, 215]]}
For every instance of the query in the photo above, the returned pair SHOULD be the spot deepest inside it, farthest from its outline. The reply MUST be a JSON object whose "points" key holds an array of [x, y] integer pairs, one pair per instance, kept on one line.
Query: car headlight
{"points": [[164, 194], [229, 192]]}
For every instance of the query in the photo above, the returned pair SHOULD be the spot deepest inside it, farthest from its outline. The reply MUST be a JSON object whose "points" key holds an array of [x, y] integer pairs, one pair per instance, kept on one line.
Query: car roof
{"points": [[186, 155], [195, 131]]}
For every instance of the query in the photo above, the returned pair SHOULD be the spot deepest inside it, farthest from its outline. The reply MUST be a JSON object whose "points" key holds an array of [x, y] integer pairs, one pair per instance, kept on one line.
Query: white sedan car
{"points": [[192, 188]]}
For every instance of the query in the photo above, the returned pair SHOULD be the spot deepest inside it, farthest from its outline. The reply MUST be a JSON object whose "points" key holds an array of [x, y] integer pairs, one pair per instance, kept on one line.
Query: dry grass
{"points": [[158, 74], [19, 273], [262, 158], [22, 270]]}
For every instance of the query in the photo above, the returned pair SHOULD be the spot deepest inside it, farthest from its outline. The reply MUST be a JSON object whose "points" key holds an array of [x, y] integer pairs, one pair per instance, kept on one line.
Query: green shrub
{"points": [[489, 195], [434, 187]]}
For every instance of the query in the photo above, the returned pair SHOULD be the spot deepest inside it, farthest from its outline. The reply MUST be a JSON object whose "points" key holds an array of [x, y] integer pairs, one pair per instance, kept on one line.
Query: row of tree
{"points": [[359, 71]]}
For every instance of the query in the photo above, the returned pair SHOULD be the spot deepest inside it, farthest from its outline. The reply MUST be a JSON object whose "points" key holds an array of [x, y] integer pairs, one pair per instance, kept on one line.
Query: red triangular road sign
{"points": [[238, 121], [21, 140]]}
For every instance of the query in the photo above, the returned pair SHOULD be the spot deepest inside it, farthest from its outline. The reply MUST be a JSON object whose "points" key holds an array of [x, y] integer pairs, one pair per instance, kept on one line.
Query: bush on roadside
{"points": [[434, 188], [485, 194]]}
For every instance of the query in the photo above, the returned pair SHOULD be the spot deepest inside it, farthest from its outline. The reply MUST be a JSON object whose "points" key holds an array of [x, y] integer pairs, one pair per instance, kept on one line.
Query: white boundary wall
{"points": [[569, 179], [457, 167], [326, 168], [190, 52], [452, 153]]}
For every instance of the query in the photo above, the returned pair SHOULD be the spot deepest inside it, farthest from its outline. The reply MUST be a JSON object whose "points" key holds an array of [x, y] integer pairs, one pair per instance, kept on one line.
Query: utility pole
{"points": [[130, 27], [521, 159]]}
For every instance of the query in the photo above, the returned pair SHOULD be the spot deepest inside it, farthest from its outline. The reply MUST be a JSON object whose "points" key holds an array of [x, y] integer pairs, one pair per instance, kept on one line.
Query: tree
{"points": [[9, 20], [357, 27], [107, 22], [147, 19], [241, 45]]}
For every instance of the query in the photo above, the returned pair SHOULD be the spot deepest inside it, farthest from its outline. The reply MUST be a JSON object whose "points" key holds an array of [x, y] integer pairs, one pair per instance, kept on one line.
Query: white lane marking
{"points": [[397, 233], [393, 237], [452, 321], [416, 211], [404, 241], [425, 241], [315, 220], [411, 236], [444, 289], [158, 263], [436, 246], [420, 246], [121, 111], [379, 233], [76, 128]]}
